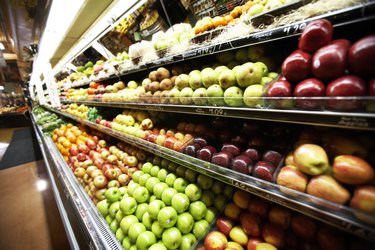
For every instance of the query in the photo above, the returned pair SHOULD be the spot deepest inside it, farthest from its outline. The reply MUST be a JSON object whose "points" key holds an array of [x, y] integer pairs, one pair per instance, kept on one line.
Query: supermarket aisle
{"points": [[29, 217]]}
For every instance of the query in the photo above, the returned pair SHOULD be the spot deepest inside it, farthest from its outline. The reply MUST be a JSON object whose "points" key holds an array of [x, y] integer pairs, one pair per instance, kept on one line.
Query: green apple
{"points": [[119, 216], [233, 96], [170, 178], [252, 94], [120, 235], [133, 247], [208, 197], [135, 230], [172, 167], [136, 175], [195, 79], [108, 219], [152, 198], [167, 217], [145, 240], [113, 208], [141, 209], [250, 73], [186, 95], [131, 187], [157, 229], [193, 192], [218, 187], [154, 171], [147, 220], [143, 178], [154, 208], [200, 228], [191, 175], [159, 188], [141, 194], [128, 205], [263, 66], [265, 80], [158, 246], [167, 195], [162, 174], [241, 55], [103, 207], [209, 77], [164, 163], [198, 210], [114, 226], [180, 185], [227, 79], [150, 183], [211, 214], [182, 81], [126, 243], [126, 222], [220, 202], [255, 9], [172, 238], [204, 181], [180, 171], [188, 241], [273, 75], [200, 96], [123, 190], [113, 194], [180, 202], [146, 167], [185, 222], [215, 94]]}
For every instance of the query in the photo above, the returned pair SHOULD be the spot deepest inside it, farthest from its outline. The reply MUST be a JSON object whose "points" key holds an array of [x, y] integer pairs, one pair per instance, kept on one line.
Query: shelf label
{"points": [[353, 122], [217, 111], [294, 28]]}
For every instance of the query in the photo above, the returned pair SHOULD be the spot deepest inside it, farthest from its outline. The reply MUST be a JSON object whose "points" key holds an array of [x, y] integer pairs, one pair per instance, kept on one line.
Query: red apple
{"points": [[81, 157], [91, 144], [264, 170], [206, 153], [232, 149], [280, 216], [310, 87], [215, 241], [330, 238], [224, 225], [83, 148], [222, 159], [178, 146], [371, 87], [123, 179], [252, 243], [348, 85], [100, 181], [317, 34], [364, 200], [274, 235], [169, 142], [330, 61], [361, 56], [350, 169], [73, 150], [297, 66], [304, 227], [259, 206], [280, 89], [251, 224], [242, 164]]}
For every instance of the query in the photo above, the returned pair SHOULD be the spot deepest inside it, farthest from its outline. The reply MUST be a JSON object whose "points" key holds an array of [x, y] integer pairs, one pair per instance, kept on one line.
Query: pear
{"points": [[174, 96], [250, 96], [326, 187], [249, 74], [209, 77], [233, 96], [221, 68], [225, 57], [227, 78], [311, 159], [254, 53], [195, 79], [185, 95], [215, 94], [182, 81], [200, 96], [241, 55]]}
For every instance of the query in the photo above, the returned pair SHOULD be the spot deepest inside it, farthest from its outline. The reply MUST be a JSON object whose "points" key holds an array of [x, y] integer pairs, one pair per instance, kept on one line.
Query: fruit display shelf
{"points": [[336, 215], [342, 17], [85, 227], [352, 120]]}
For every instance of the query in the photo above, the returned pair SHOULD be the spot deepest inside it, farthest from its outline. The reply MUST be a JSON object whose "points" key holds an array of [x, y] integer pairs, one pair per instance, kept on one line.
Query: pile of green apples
{"points": [[166, 207]]}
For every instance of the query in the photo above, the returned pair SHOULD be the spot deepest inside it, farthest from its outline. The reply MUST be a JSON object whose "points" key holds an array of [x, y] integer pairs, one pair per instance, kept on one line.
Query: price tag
{"points": [[294, 28], [217, 111], [354, 122]]}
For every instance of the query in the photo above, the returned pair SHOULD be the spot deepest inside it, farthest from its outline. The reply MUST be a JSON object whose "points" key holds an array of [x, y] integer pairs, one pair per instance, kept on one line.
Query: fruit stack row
{"points": [[253, 223], [325, 67], [169, 209]]}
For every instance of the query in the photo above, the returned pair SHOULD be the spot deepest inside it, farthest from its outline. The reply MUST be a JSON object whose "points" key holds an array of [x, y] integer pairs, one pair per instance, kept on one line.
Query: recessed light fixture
{"points": [[2, 46]]}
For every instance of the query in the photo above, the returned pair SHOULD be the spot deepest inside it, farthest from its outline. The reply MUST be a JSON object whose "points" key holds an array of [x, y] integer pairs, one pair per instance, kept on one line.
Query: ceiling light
{"points": [[2, 46]]}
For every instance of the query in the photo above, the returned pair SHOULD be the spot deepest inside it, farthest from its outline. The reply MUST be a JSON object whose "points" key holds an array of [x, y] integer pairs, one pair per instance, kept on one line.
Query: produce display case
{"points": [[347, 113]]}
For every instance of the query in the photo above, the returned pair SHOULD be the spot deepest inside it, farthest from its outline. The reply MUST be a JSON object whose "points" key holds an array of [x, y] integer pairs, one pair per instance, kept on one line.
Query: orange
{"points": [[219, 21], [69, 125], [77, 132], [61, 139], [228, 19], [236, 12], [60, 132], [65, 151], [54, 137], [67, 144]]}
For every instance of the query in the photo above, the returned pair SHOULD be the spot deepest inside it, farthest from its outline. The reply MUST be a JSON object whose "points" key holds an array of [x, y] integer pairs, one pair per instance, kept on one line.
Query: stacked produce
{"points": [[332, 167], [47, 120], [164, 209], [253, 223], [245, 147], [325, 67]]}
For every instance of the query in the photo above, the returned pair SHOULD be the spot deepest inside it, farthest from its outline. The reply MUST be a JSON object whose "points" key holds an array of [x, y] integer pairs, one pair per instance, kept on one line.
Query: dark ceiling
{"points": [[21, 24]]}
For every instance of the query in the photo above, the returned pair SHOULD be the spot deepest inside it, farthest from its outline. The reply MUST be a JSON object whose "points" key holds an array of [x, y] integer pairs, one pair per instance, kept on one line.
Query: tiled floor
{"points": [[29, 218]]}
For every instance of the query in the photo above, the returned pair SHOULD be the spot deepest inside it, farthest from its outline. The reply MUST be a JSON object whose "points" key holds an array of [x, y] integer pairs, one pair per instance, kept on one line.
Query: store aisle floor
{"points": [[29, 217]]}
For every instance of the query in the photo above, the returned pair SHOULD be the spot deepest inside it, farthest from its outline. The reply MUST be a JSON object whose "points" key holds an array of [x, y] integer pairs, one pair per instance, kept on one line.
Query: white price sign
{"points": [[51, 86]]}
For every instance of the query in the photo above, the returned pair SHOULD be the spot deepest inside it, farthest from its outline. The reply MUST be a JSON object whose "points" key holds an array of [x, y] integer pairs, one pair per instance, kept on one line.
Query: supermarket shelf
{"points": [[347, 16], [85, 226], [6, 114], [337, 215], [364, 121]]}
